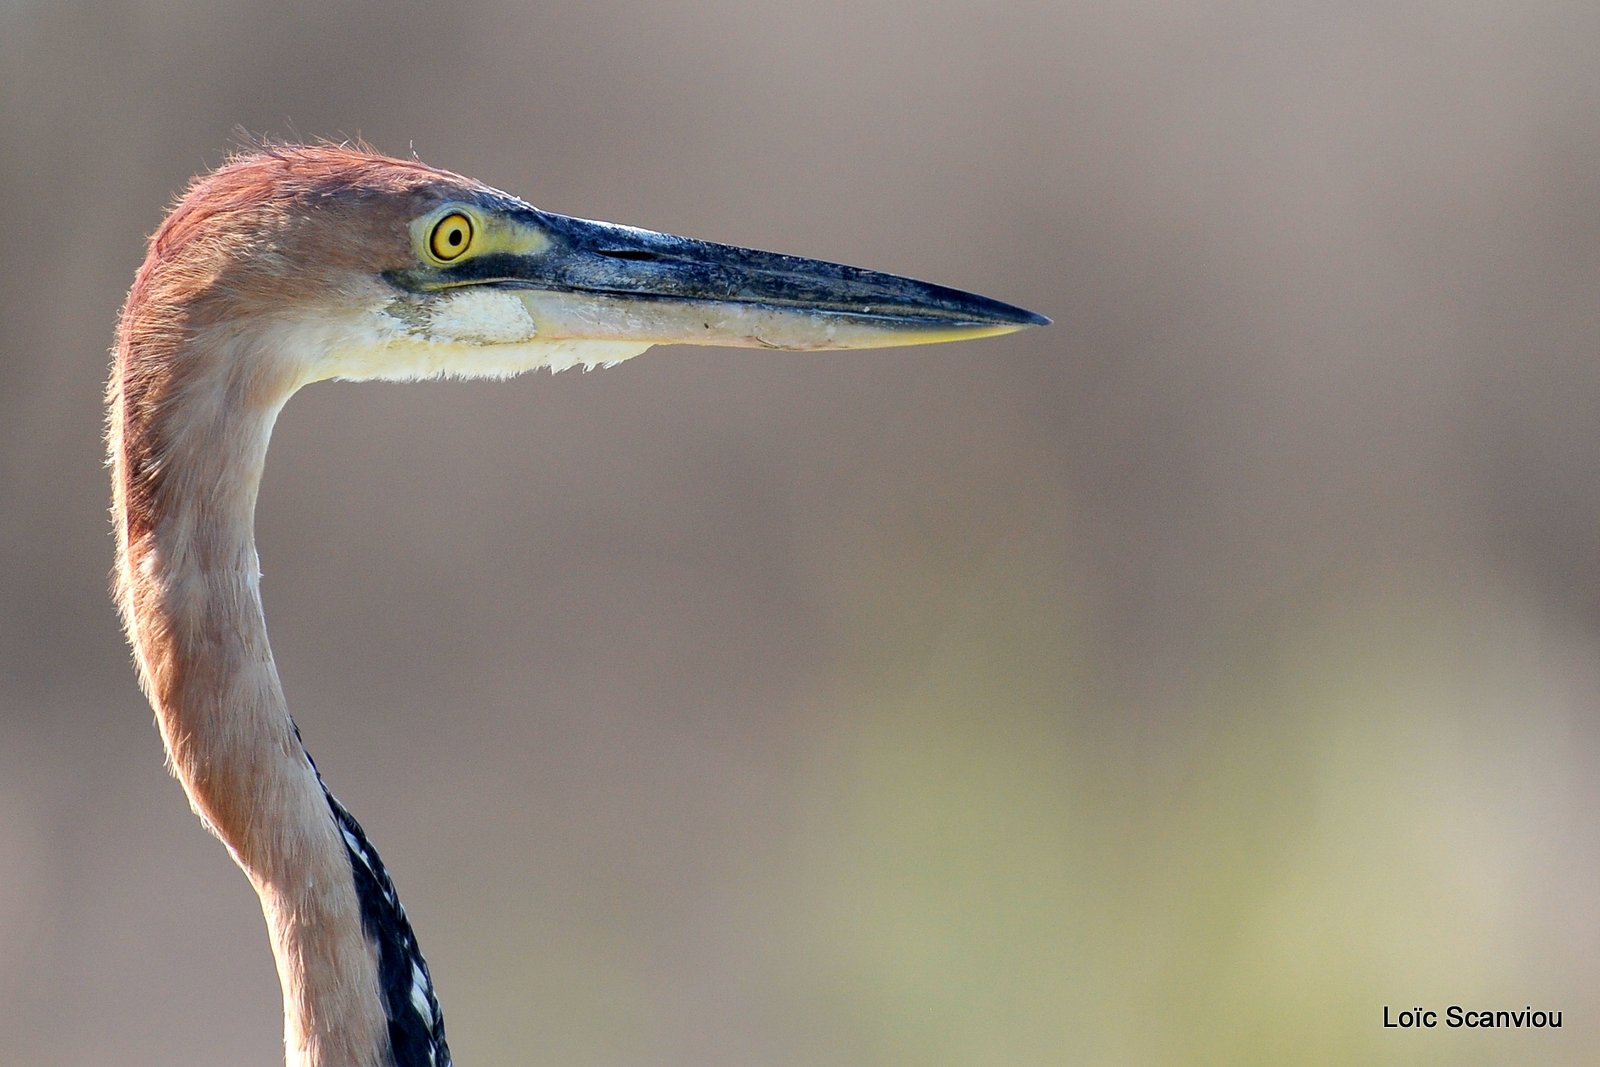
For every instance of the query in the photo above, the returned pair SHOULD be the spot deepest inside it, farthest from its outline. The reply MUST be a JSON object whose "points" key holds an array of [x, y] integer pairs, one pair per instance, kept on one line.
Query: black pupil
{"points": [[455, 235]]}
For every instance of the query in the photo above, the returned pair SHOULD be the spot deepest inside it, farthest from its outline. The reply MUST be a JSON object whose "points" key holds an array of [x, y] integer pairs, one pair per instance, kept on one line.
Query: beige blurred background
{"points": [[1179, 684]]}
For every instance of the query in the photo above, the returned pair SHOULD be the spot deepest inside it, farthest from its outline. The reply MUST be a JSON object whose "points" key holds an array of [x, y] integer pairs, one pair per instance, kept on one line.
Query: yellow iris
{"points": [[451, 237]]}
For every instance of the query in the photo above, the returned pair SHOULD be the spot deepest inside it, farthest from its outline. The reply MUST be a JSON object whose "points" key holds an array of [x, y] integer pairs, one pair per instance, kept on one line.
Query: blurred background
{"points": [[1181, 683]]}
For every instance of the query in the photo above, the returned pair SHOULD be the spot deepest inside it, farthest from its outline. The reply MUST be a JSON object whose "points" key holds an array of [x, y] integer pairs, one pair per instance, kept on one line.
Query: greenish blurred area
{"points": [[1184, 683], [1003, 865]]}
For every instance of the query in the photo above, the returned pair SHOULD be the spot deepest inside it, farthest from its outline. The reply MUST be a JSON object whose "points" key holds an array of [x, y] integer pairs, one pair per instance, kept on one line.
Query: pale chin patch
{"points": [[475, 333], [484, 333], [482, 317]]}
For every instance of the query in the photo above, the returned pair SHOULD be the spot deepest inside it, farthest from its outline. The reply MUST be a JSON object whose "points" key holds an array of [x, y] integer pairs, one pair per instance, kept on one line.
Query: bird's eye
{"points": [[450, 238]]}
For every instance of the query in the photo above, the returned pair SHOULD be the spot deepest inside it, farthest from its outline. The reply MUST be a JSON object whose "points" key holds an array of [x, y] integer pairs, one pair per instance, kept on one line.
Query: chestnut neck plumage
{"points": [[191, 412]]}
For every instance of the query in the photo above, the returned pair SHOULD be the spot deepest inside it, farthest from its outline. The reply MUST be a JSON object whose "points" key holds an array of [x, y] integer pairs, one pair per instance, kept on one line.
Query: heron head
{"points": [[361, 266]]}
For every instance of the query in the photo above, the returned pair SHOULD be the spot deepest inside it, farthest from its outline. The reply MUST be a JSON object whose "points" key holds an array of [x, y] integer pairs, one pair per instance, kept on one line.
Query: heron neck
{"points": [[188, 447]]}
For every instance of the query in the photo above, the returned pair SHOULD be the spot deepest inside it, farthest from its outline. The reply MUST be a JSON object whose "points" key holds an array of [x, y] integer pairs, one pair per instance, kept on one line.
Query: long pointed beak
{"points": [[601, 281]]}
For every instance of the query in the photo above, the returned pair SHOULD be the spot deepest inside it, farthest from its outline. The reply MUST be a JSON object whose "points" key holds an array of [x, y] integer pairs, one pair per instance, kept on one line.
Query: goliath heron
{"points": [[292, 264]]}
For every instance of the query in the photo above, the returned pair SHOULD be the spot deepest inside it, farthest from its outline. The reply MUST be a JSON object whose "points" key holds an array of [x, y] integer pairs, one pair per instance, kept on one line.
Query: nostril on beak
{"points": [[627, 253]]}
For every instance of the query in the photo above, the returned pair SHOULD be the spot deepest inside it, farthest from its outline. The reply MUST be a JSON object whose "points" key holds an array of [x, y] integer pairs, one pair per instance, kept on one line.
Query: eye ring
{"points": [[451, 237]]}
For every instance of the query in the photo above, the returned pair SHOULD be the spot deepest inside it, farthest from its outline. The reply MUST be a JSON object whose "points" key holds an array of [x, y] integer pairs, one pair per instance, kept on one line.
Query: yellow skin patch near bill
{"points": [[488, 233]]}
